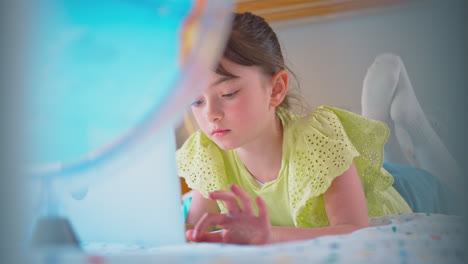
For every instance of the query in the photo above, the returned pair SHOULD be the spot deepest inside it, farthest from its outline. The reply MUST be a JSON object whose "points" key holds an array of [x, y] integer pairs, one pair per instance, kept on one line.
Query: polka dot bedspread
{"points": [[402, 238]]}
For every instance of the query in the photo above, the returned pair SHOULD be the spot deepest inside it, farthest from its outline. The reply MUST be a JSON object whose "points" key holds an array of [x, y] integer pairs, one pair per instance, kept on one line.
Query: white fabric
{"points": [[388, 96], [404, 238]]}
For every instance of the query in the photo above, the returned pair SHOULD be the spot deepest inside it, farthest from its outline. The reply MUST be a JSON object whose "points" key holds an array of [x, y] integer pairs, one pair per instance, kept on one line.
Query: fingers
{"points": [[214, 237], [189, 235], [229, 199], [207, 220], [262, 210], [244, 197]]}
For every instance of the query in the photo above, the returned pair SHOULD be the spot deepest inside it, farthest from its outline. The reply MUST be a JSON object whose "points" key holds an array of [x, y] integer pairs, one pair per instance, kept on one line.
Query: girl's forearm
{"points": [[283, 234]]}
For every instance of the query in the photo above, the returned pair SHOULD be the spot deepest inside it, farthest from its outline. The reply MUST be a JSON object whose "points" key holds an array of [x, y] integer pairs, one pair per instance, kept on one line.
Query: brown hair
{"points": [[253, 42]]}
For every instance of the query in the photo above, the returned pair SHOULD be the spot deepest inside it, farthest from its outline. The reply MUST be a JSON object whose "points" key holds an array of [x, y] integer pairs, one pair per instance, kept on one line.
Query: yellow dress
{"points": [[316, 148]]}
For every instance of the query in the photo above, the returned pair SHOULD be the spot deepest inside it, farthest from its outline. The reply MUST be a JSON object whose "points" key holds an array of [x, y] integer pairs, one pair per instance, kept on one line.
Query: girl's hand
{"points": [[239, 226]]}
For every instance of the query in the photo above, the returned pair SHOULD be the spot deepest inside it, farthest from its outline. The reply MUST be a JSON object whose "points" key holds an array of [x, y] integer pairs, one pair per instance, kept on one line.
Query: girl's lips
{"points": [[220, 132]]}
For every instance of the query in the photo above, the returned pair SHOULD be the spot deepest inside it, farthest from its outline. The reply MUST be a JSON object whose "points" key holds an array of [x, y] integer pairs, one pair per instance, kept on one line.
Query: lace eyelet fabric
{"points": [[200, 162], [323, 152]]}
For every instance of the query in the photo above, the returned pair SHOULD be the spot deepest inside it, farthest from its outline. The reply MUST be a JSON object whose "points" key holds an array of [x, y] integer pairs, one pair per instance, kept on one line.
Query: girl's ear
{"points": [[280, 82]]}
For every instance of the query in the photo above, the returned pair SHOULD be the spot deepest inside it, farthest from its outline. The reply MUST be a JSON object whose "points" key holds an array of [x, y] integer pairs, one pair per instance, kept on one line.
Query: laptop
{"points": [[133, 200]]}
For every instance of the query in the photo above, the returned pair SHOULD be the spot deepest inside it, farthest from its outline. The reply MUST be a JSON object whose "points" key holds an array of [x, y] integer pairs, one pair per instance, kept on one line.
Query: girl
{"points": [[314, 175]]}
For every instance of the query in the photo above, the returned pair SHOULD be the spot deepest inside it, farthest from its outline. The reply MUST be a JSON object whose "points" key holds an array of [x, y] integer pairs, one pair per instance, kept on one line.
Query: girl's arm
{"points": [[346, 208], [344, 201], [198, 207]]}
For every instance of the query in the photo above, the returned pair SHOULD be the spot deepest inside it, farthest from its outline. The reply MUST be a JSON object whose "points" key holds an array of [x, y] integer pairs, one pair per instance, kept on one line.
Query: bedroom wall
{"points": [[330, 56]]}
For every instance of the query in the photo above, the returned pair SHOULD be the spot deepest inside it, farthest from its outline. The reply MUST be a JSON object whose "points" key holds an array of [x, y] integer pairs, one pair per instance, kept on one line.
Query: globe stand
{"points": [[51, 229], [54, 231]]}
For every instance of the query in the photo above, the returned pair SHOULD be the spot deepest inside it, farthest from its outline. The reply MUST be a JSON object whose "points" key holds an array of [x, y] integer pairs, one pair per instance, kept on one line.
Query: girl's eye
{"points": [[230, 94], [197, 103]]}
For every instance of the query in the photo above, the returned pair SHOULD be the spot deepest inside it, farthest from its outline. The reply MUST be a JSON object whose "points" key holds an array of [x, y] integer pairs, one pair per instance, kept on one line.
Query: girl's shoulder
{"points": [[201, 163], [334, 123], [317, 150], [320, 116], [322, 145], [323, 120]]}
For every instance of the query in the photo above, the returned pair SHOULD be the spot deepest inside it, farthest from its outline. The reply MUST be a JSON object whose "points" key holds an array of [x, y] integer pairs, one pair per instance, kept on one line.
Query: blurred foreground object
{"points": [[107, 81]]}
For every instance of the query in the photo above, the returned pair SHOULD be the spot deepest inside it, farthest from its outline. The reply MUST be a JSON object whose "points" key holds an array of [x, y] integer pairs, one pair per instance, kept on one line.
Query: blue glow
{"points": [[98, 70], [103, 67]]}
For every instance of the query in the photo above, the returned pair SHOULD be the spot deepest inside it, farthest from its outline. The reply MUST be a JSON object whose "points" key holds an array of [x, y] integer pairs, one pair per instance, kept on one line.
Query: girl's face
{"points": [[234, 112]]}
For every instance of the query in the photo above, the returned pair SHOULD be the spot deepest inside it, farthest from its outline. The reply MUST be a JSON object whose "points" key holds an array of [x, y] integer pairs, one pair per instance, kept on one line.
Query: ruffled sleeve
{"points": [[368, 136], [200, 162], [325, 143], [321, 152]]}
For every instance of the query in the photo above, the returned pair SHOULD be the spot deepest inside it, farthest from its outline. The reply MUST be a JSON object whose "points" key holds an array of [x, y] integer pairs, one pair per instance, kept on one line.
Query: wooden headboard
{"points": [[281, 10]]}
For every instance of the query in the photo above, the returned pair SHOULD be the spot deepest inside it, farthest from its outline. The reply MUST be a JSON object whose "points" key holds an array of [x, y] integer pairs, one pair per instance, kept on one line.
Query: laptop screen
{"points": [[135, 199]]}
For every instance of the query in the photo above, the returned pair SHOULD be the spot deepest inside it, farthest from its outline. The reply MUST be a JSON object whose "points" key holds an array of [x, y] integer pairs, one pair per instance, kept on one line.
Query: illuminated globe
{"points": [[107, 81], [101, 69]]}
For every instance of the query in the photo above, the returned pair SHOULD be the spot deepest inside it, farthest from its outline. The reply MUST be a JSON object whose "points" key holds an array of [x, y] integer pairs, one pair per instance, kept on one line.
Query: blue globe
{"points": [[104, 72]]}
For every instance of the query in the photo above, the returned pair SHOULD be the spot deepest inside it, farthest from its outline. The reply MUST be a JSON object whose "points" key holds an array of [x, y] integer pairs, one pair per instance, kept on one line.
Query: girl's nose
{"points": [[214, 112]]}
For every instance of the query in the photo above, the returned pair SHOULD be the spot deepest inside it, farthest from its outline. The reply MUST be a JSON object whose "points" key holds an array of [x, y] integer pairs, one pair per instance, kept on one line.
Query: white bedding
{"points": [[404, 238]]}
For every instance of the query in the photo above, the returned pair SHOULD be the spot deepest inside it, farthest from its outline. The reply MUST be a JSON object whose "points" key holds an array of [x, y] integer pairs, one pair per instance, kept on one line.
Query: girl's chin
{"points": [[225, 145]]}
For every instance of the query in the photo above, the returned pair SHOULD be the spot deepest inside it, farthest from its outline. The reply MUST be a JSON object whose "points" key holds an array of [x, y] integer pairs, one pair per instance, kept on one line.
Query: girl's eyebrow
{"points": [[224, 79]]}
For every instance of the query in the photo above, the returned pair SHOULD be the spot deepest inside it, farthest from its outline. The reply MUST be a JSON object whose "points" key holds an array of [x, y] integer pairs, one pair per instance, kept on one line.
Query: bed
{"points": [[403, 238]]}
